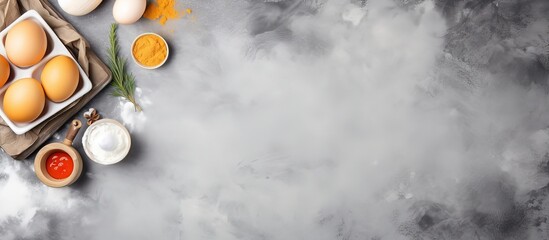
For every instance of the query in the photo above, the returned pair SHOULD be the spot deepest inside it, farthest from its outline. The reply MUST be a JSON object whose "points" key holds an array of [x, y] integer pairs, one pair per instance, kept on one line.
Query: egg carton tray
{"points": [[55, 48]]}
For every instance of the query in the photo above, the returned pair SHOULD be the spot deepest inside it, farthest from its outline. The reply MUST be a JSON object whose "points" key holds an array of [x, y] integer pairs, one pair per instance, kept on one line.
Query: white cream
{"points": [[106, 142]]}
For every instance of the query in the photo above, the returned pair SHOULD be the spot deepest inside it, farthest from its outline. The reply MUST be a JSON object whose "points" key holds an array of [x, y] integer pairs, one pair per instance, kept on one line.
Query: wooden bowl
{"points": [[65, 146]]}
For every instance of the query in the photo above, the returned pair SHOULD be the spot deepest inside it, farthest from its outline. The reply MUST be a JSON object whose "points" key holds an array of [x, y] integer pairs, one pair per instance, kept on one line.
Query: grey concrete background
{"points": [[316, 120]]}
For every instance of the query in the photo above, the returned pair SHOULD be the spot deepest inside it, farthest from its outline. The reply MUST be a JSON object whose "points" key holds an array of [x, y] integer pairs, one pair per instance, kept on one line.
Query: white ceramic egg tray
{"points": [[55, 48]]}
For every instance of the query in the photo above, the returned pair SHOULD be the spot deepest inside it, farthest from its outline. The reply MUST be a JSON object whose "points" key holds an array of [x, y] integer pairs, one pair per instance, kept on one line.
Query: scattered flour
{"points": [[133, 120]]}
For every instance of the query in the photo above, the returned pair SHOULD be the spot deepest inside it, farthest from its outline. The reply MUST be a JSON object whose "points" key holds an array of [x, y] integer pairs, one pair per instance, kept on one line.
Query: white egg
{"points": [[128, 11], [78, 7]]}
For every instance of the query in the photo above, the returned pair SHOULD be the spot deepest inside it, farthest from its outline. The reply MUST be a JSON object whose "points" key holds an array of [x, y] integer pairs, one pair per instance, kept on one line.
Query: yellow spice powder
{"points": [[150, 50], [164, 10]]}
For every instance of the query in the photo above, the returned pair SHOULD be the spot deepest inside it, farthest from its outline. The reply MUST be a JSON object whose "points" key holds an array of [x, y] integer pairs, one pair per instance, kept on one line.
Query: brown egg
{"points": [[26, 43], [4, 70], [24, 100], [60, 78]]}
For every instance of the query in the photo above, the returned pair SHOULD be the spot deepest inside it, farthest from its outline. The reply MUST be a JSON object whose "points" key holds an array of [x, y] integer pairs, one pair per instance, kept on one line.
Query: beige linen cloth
{"points": [[21, 146]]}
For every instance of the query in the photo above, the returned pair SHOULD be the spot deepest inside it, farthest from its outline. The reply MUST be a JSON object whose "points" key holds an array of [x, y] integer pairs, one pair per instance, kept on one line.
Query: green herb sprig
{"points": [[123, 82]]}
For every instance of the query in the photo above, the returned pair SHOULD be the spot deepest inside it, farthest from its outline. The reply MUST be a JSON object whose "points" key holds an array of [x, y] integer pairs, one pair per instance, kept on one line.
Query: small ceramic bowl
{"points": [[88, 137], [150, 67]]}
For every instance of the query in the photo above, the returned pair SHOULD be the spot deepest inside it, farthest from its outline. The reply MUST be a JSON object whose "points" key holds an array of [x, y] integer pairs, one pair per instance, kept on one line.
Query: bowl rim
{"points": [[112, 121], [150, 67]]}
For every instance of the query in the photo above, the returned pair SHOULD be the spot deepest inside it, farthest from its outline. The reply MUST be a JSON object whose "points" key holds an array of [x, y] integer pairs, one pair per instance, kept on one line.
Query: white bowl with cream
{"points": [[106, 142]]}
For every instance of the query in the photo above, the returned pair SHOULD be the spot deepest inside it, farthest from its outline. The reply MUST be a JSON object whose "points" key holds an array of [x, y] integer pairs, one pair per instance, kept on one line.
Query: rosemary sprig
{"points": [[123, 82]]}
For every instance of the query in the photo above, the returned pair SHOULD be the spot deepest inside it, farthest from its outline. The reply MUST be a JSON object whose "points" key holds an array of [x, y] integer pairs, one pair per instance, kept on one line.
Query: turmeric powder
{"points": [[164, 10], [150, 50]]}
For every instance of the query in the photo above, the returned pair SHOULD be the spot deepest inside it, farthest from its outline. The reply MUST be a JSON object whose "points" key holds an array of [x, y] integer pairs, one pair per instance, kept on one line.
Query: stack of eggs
{"points": [[25, 99]]}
